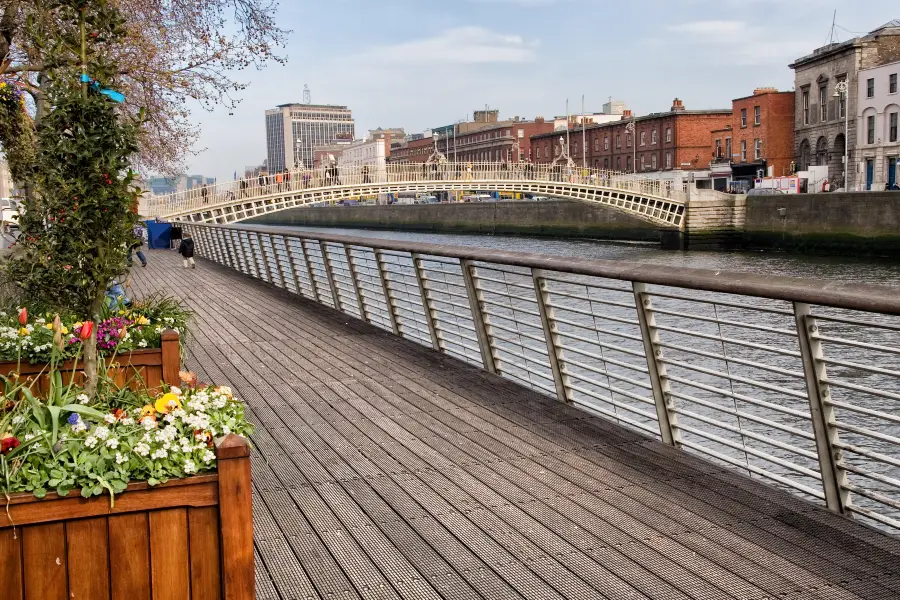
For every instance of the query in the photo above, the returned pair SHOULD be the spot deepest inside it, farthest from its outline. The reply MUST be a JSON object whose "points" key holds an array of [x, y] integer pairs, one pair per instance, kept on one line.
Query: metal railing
{"points": [[788, 380], [459, 176]]}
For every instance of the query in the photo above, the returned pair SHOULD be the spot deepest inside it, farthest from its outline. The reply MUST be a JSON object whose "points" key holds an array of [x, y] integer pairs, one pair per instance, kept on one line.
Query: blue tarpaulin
{"points": [[158, 234]]}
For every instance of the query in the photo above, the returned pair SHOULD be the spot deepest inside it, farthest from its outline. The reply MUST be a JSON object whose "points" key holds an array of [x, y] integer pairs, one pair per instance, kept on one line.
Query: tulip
{"points": [[23, 317], [86, 330], [8, 442], [58, 333]]}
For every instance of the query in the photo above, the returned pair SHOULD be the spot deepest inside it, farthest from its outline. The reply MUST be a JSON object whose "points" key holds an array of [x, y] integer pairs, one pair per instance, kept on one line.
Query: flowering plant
{"points": [[121, 330], [68, 441]]}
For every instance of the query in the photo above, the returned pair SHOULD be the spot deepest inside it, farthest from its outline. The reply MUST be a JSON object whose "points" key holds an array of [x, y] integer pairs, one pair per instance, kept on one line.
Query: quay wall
{"points": [[855, 222], [550, 218]]}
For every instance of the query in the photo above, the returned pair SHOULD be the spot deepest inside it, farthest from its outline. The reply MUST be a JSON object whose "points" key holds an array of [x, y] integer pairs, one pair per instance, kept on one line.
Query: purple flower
{"points": [[73, 418]]}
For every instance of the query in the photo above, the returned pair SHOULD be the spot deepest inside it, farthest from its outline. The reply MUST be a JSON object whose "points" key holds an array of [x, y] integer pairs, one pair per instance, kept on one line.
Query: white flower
{"points": [[90, 441], [127, 421], [18, 420], [29, 436], [167, 445], [110, 418], [190, 467], [82, 398], [169, 418], [219, 402], [178, 413], [142, 344], [142, 449], [159, 330], [148, 423], [102, 432], [226, 429], [209, 456], [175, 390], [161, 453], [120, 459], [112, 443], [224, 389]]}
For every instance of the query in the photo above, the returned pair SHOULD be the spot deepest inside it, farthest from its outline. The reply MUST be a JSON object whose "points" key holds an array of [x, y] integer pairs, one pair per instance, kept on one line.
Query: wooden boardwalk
{"points": [[385, 470]]}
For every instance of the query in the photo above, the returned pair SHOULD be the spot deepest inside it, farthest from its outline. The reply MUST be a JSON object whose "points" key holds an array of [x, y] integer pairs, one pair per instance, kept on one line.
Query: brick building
{"points": [[675, 140], [494, 143], [415, 151], [760, 137]]}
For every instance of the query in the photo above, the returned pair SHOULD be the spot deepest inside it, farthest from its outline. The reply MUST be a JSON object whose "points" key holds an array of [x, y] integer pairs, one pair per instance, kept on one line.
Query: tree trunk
{"points": [[91, 357]]}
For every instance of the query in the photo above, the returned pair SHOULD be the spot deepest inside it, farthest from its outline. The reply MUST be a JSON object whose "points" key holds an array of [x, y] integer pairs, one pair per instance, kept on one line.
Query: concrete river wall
{"points": [[861, 222], [547, 218]]}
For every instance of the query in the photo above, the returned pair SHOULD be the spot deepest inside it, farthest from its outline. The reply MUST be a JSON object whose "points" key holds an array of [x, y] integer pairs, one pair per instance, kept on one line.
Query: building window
{"points": [[643, 138], [576, 148], [619, 141], [756, 115], [718, 148], [653, 161], [743, 117], [892, 83], [627, 141], [643, 165], [628, 161], [606, 143], [596, 143], [842, 104], [892, 133], [555, 150], [619, 163], [870, 88], [743, 150], [870, 130], [668, 134], [728, 149], [605, 163], [668, 160], [653, 138], [757, 148], [823, 104], [805, 101]]}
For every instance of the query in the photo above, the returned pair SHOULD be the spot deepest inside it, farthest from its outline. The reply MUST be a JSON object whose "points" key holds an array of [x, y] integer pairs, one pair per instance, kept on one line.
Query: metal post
{"points": [[386, 290], [309, 273], [261, 262], [335, 296], [354, 277], [430, 316], [277, 258], [554, 349], [290, 257], [834, 477], [249, 259], [662, 398], [476, 302]]}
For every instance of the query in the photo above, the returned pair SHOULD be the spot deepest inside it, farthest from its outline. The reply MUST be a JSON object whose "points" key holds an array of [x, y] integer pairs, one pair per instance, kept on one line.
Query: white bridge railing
{"points": [[793, 381], [459, 176]]}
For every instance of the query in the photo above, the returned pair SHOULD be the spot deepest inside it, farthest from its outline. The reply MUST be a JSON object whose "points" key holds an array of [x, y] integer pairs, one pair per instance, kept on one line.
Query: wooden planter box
{"points": [[189, 539], [151, 367]]}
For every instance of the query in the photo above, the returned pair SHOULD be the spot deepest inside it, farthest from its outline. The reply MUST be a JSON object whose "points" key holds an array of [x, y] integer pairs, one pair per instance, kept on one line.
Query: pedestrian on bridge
{"points": [[186, 250]]}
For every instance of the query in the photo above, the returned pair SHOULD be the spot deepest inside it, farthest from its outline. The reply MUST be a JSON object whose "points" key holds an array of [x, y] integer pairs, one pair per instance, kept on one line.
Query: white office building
{"points": [[294, 130], [371, 153], [877, 140]]}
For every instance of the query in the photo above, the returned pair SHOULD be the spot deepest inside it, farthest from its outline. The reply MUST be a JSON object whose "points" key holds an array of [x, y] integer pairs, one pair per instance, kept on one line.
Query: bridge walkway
{"points": [[384, 470]]}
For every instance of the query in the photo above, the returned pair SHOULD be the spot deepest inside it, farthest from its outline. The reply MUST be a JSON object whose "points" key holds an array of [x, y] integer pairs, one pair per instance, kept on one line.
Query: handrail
{"points": [[759, 373], [864, 297]]}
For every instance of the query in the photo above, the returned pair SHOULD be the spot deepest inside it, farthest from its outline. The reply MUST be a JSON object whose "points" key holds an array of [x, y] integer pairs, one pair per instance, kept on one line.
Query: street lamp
{"points": [[840, 91], [629, 129]]}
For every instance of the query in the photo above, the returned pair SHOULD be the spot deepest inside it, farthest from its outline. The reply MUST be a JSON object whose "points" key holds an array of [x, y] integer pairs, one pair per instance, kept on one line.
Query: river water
{"points": [[735, 373]]}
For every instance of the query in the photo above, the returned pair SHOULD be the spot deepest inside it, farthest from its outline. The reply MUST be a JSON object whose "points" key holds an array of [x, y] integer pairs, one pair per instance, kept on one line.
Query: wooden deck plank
{"points": [[385, 470]]}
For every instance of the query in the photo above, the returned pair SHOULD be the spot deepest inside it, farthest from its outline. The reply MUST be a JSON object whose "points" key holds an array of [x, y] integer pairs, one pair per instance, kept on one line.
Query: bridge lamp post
{"points": [[840, 91], [629, 129]]}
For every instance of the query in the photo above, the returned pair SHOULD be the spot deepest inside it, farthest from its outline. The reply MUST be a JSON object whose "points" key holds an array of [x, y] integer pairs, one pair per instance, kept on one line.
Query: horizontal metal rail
{"points": [[664, 355]]}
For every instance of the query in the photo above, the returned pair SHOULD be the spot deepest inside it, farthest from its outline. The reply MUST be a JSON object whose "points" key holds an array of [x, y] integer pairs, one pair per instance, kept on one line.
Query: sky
{"points": [[419, 64]]}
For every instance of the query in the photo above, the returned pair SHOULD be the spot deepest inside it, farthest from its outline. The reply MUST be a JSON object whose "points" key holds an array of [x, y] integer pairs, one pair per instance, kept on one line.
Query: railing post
{"points": [[249, 259], [235, 518], [326, 261], [354, 277], [656, 368], [277, 258], [309, 273], [262, 264], [290, 257], [170, 356], [554, 349], [386, 290], [476, 302], [430, 315], [834, 477]]}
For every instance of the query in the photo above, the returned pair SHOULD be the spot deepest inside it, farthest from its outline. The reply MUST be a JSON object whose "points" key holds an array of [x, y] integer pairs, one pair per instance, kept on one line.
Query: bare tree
{"points": [[176, 51]]}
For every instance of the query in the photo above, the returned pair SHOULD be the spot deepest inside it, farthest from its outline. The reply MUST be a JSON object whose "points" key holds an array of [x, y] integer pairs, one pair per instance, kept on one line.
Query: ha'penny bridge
{"points": [[445, 422]]}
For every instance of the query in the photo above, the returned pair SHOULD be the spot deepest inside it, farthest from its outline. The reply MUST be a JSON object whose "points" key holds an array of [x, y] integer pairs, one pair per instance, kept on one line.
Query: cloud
{"points": [[462, 45], [741, 44]]}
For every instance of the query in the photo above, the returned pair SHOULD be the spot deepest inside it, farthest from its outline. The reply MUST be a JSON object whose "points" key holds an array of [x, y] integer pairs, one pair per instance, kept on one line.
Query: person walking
{"points": [[186, 250], [137, 245]]}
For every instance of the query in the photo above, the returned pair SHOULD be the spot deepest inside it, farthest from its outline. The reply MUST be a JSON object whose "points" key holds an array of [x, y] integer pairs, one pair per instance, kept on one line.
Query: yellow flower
{"points": [[78, 324], [23, 332], [142, 320], [148, 410], [64, 330], [167, 402], [48, 326]]}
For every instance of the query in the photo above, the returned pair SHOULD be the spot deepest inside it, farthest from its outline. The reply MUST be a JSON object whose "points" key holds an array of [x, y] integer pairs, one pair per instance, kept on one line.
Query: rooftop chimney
{"points": [[677, 105], [626, 114], [539, 119], [764, 90]]}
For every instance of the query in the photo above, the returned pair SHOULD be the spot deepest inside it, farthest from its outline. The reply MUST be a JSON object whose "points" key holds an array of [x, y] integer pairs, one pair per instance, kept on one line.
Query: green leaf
{"points": [[54, 418], [85, 411]]}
